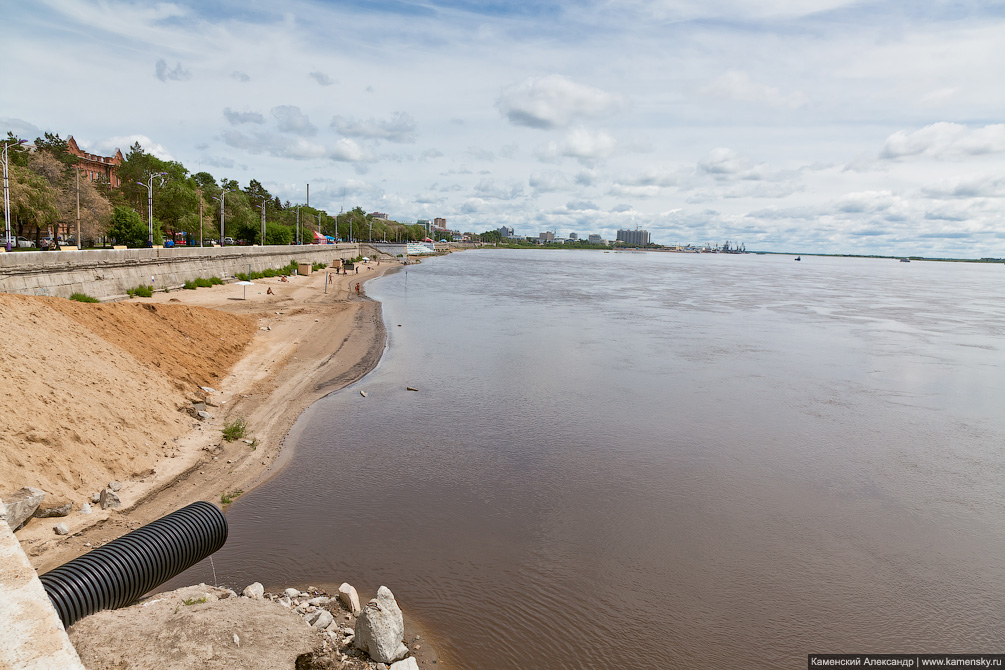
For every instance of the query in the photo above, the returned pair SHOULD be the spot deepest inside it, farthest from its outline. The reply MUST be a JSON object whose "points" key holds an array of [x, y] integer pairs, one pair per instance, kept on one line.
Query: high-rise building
{"points": [[505, 231], [638, 238]]}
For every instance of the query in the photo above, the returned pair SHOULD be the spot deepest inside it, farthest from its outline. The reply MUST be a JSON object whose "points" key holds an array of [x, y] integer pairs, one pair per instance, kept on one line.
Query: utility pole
{"points": [[199, 191], [79, 242]]}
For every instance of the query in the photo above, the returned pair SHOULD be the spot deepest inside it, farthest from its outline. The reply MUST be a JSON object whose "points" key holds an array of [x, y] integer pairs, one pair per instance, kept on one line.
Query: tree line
{"points": [[44, 190]]}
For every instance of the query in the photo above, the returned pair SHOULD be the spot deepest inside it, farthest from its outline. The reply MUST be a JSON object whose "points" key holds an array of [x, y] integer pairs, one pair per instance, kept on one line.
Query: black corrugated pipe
{"points": [[121, 571]]}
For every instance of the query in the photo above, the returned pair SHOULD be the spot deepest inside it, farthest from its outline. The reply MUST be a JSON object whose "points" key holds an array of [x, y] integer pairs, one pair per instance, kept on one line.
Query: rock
{"points": [[320, 619], [61, 529], [21, 505], [348, 631], [204, 415], [85, 508], [380, 627], [411, 388], [347, 594], [208, 389], [44, 512], [285, 602], [96, 496], [108, 499], [255, 591], [363, 393], [114, 486], [292, 593], [406, 664]]}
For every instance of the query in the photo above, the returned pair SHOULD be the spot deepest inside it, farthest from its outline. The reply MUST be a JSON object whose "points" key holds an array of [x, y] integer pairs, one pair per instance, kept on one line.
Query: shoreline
{"points": [[307, 345]]}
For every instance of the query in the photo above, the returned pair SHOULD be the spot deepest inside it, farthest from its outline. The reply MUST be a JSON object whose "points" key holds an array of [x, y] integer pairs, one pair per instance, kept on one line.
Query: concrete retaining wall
{"points": [[109, 273]]}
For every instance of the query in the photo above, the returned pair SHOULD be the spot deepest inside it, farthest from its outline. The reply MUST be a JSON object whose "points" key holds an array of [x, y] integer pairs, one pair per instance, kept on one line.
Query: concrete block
{"points": [[32, 637]]}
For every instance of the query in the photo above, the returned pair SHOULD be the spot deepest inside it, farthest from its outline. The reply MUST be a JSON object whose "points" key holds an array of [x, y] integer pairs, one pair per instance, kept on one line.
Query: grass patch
{"points": [[190, 285], [215, 281], [141, 291], [234, 430], [318, 266], [194, 601], [227, 498], [83, 297]]}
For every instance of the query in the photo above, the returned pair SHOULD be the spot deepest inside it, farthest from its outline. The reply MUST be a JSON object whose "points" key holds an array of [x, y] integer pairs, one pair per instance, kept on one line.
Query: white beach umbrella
{"points": [[245, 284]]}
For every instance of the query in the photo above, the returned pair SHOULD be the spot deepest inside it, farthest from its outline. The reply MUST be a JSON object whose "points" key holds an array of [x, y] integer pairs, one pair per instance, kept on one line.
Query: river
{"points": [[660, 460]]}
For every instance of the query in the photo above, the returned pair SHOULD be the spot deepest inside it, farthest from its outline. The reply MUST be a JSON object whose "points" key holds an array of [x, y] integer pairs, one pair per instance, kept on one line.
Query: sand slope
{"points": [[92, 392]]}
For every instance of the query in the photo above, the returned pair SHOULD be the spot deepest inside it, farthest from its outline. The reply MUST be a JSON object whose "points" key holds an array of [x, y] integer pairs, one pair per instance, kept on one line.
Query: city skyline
{"points": [[825, 126]]}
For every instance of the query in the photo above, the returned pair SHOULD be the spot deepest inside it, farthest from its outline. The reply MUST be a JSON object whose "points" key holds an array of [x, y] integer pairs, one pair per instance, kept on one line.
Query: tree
{"points": [[17, 154], [56, 146], [127, 228], [277, 233], [32, 202], [491, 236]]}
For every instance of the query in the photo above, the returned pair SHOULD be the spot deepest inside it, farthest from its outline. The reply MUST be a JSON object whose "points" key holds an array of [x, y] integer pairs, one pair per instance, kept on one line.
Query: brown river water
{"points": [[660, 460]]}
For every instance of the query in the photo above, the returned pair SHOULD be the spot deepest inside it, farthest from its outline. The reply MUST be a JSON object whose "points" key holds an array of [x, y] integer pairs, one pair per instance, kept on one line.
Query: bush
{"points": [[141, 291], [318, 266], [83, 297], [190, 285], [227, 498], [215, 281], [234, 430], [203, 283]]}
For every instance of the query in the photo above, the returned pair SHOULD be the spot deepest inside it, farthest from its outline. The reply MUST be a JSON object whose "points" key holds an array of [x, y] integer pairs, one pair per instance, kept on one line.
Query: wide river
{"points": [[627, 460]]}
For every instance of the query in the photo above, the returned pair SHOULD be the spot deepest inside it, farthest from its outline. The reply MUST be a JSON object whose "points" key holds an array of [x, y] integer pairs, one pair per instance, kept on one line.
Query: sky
{"points": [[812, 126]]}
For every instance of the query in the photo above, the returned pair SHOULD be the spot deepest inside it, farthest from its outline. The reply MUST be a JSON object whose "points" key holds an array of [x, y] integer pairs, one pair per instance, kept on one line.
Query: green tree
{"points": [[277, 233], [127, 228], [17, 154], [491, 236], [32, 202], [56, 146]]}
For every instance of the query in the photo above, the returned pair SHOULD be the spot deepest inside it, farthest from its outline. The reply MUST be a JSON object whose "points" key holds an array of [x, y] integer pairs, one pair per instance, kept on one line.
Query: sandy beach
{"points": [[106, 392]]}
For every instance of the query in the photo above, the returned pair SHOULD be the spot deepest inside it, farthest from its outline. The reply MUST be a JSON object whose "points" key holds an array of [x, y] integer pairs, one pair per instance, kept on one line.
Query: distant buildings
{"points": [[440, 223], [545, 237], [505, 231], [573, 236], [597, 239], [379, 215], [95, 167], [635, 238]]}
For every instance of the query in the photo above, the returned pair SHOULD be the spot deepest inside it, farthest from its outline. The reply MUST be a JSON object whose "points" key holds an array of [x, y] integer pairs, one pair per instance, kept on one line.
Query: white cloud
{"points": [[321, 78], [548, 181], [108, 146], [984, 186], [737, 85], [554, 102], [946, 140], [236, 118], [177, 73], [588, 146], [290, 119], [400, 127]]}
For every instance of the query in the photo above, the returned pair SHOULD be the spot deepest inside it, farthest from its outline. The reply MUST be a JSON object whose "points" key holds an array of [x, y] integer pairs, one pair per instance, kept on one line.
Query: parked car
{"points": [[228, 240]]}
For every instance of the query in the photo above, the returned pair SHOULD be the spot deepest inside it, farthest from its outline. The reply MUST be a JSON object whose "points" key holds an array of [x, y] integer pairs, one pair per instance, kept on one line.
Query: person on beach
{"points": [[357, 288], [269, 292]]}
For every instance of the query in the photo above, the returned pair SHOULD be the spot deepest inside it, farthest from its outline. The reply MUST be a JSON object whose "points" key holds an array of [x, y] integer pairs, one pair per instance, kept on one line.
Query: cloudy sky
{"points": [[835, 126]]}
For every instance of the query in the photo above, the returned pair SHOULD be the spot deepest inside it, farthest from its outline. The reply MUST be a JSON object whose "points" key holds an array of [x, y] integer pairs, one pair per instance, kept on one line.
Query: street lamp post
{"points": [[298, 225], [264, 200], [150, 204], [6, 191], [223, 196]]}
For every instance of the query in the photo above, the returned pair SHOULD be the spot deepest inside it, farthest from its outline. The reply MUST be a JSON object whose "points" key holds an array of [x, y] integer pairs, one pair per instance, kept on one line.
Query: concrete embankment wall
{"points": [[109, 273]]}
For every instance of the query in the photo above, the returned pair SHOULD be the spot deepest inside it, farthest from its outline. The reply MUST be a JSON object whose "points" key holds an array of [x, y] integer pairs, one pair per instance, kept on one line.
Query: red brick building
{"points": [[95, 167]]}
